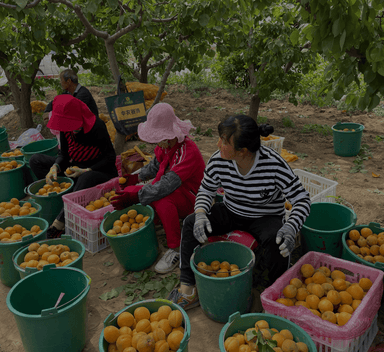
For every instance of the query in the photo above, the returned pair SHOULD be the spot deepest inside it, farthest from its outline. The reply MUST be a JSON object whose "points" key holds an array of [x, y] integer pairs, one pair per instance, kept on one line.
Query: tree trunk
{"points": [[254, 107], [112, 60], [144, 74]]}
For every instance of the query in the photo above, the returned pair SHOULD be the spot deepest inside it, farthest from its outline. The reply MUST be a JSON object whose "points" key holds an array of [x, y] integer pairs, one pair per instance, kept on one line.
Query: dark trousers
{"points": [[263, 229], [40, 164]]}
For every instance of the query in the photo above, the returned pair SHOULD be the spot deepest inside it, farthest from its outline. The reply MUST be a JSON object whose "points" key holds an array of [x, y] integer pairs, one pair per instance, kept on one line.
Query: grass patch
{"points": [[324, 130]]}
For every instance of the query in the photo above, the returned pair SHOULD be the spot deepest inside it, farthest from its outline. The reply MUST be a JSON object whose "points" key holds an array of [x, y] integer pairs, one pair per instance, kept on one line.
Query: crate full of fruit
{"points": [[333, 300]]}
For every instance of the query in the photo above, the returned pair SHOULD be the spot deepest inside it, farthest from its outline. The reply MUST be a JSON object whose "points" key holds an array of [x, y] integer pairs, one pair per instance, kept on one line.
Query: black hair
{"points": [[245, 131], [69, 74]]}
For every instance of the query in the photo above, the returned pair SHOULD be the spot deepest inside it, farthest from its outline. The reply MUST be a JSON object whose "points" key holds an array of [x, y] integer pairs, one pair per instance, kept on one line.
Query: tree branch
{"points": [[158, 63], [13, 7], [289, 65], [170, 19], [78, 39]]}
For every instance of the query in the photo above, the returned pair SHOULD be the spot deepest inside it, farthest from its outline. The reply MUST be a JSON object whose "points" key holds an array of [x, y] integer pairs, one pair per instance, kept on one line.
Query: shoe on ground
{"points": [[168, 262], [53, 232], [184, 301]]}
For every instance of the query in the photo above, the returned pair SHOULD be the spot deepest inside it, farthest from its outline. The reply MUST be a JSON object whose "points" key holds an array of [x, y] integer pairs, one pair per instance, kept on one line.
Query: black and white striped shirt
{"points": [[260, 192]]}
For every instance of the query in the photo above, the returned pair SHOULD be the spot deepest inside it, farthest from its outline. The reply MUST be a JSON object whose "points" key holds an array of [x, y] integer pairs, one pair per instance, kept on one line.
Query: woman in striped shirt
{"points": [[85, 148], [256, 181]]}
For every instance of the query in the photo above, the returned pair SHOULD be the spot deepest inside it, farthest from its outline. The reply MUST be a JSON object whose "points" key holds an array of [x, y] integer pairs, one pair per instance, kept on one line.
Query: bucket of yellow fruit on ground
{"points": [[132, 236], [15, 208], [364, 244], [63, 252], [44, 146], [335, 301], [147, 326], [50, 196], [223, 273], [347, 138], [12, 180], [15, 234], [263, 332], [14, 154], [50, 309]]}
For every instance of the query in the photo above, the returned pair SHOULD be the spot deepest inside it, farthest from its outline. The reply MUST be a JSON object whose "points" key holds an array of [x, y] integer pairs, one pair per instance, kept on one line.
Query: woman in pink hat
{"points": [[177, 169], [85, 148]]}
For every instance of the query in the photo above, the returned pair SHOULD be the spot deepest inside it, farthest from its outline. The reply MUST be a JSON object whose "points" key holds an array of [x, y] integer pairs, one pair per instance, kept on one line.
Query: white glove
{"points": [[288, 234], [76, 171], [52, 174], [201, 222]]}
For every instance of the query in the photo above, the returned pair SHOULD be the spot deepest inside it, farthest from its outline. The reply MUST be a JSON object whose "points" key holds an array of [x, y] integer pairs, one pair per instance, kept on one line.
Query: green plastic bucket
{"points": [[66, 240], [152, 305], [323, 228], [33, 176], [8, 274], [237, 322], [4, 144], [3, 131], [12, 183], [51, 204], [44, 146], [347, 143], [347, 254], [221, 297], [5, 158], [42, 327], [33, 204], [134, 251]]}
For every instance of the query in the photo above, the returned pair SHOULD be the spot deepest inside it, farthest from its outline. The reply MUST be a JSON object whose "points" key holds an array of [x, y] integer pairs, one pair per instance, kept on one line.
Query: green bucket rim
{"points": [[13, 170], [245, 270], [27, 237], [371, 225], [60, 179], [54, 141], [339, 126], [265, 316], [63, 237], [112, 317], [53, 312], [121, 212], [322, 232]]}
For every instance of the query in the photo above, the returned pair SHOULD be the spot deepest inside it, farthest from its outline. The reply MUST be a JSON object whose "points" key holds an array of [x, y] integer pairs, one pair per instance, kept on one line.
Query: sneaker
{"points": [[53, 232], [168, 262], [184, 301]]}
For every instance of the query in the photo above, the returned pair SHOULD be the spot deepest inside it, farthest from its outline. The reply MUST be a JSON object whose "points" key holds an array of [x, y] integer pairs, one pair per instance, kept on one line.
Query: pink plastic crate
{"points": [[82, 224], [334, 335]]}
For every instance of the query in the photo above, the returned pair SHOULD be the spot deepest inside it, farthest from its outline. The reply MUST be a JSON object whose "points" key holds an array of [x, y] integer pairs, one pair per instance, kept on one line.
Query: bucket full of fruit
{"points": [[132, 236], [223, 273]]}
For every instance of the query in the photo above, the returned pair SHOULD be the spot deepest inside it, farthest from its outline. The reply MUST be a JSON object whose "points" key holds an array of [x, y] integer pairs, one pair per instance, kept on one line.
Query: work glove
{"points": [[76, 172], [201, 222], [289, 235], [52, 174], [132, 180], [125, 199]]}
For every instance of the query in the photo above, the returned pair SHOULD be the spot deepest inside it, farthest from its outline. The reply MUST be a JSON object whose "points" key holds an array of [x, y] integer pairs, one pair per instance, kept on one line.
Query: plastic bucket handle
{"points": [[54, 310]]}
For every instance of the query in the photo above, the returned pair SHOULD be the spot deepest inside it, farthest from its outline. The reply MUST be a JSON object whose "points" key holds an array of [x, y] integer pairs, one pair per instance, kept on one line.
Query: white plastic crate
{"points": [[276, 144], [319, 188]]}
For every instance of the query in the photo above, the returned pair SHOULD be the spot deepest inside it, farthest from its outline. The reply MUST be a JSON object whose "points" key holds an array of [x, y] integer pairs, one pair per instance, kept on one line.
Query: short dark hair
{"points": [[69, 74], [245, 131]]}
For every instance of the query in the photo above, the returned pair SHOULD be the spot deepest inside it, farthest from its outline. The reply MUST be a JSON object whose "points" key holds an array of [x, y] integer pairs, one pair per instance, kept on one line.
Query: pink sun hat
{"points": [[163, 124], [69, 114]]}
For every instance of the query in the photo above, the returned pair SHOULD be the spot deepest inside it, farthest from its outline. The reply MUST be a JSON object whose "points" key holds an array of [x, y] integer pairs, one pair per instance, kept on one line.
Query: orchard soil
{"points": [[205, 108]]}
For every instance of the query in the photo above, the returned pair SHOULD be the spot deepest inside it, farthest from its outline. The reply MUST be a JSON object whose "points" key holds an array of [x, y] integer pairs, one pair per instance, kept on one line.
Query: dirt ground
{"points": [[316, 155]]}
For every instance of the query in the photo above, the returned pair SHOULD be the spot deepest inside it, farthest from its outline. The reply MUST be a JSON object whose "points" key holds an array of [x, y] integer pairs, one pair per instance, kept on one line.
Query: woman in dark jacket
{"points": [[86, 149]]}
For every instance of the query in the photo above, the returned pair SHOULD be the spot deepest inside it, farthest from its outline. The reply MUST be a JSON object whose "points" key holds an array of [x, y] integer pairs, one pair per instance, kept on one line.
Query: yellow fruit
{"points": [[286, 301], [355, 291], [174, 339], [144, 325], [146, 344], [302, 294], [334, 297], [231, 344], [339, 284], [325, 305], [132, 213], [290, 291], [111, 333], [123, 342], [317, 290], [313, 301], [329, 316], [354, 235], [302, 303], [279, 338], [122, 180], [125, 319], [136, 337], [301, 347], [343, 318], [319, 277], [164, 311], [326, 271], [296, 282], [307, 270], [289, 346], [365, 283], [345, 308], [158, 334], [337, 274], [355, 303], [175, 318], [287, 334], [315, 312], [365, 232], [164, 324]]}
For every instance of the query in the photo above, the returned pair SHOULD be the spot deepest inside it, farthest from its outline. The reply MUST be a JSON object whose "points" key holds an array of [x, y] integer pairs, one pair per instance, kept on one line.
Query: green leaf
{"points": [[21, 3], [92, 7], [138, 274], [39, 34], [203, 20], [108, 263], [250, 334], [375, 54], [51, 8], [111, 294], [295, 37], [129, 299], [375, 100], [335, 28], [342, 39], [380, 68]]}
